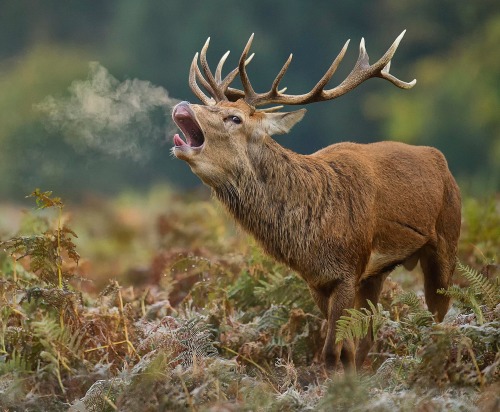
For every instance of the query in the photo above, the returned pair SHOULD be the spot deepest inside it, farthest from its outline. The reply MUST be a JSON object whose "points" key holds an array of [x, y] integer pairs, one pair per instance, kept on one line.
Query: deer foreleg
{"points": [[341, 297], [369, 290]]}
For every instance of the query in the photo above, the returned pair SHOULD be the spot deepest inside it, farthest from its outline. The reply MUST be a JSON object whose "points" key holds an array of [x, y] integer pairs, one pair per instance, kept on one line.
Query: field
{"points": [[157, 302]]}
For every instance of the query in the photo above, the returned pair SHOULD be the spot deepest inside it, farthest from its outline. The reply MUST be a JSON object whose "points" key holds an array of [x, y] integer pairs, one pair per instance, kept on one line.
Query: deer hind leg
{"points": [[438, 258], [333, 303], [369, 290], [438, 264]]}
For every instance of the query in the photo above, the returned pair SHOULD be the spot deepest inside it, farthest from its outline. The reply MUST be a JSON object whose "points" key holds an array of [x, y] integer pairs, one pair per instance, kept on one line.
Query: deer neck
{"points": [[272, 197]]}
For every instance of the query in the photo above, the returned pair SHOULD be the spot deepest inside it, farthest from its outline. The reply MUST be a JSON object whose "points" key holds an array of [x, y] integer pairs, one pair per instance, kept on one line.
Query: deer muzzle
{"points": [[185, 119]]}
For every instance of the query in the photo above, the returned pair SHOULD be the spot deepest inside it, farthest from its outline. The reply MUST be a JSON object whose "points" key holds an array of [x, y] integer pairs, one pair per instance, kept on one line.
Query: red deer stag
{"points": [[343, 217]]}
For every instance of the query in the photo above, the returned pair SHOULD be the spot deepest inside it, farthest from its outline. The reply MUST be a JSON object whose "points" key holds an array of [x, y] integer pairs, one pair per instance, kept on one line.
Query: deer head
{"points": [[221, 134], [220, 137]]}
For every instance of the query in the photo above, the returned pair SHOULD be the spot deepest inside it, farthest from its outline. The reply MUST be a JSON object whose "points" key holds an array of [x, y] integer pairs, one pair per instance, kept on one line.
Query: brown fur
{"points": [[343, 217]]}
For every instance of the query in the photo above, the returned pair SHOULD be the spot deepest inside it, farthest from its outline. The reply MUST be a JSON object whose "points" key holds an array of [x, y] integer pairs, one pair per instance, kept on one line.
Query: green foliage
{"points": [[243, 290], [267, 283], [45, 251], [356, 324], [488, 290], [289, 290], [45, 200], [44, 335], [481, 229], [417, 315], [16, 363], [481, 291], [273, 318]]}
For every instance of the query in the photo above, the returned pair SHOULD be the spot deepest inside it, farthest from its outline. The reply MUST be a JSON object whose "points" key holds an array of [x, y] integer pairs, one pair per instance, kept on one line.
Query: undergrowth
{"points": [[213, 324]]}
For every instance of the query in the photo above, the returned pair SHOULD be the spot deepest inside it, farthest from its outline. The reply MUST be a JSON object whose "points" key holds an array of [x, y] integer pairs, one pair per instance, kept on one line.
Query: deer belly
{"points": [[385, 262]]}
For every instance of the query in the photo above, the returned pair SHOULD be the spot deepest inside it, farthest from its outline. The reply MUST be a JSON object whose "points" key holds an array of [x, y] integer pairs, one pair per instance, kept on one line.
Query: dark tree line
{"points": [[450, 47]]}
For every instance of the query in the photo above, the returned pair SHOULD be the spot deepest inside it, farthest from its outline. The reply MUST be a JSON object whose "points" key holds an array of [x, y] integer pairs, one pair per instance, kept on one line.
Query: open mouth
{"points": [[184, 118]]}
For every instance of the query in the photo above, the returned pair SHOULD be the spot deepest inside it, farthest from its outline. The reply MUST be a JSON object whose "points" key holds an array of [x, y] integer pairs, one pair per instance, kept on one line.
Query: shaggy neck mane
{"points": [[277, 197]]}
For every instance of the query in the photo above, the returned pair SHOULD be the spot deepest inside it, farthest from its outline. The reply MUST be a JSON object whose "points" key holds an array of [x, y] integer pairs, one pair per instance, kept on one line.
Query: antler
{"points": [[217, 87], [220, 89]]}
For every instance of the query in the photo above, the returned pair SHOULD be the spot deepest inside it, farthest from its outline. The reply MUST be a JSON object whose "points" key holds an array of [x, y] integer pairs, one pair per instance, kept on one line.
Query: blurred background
{"points": [[86, 86]]}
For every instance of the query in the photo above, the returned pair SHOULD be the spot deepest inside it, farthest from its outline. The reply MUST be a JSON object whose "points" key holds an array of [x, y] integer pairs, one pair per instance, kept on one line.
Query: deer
{"points": [[343, 217]]}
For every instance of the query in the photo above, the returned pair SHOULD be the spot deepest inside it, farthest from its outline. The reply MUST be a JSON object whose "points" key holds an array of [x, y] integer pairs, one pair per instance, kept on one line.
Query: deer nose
{"points": [[181, 108], [181, 105]]}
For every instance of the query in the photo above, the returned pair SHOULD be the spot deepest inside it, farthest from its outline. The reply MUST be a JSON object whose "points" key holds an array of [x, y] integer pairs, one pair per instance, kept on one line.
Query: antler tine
{"points": [[355, 77], [231, 93], [386, 58], [218, 71], [203, 82], [194, 72], [263, 98], [247, 86], [271, 109], [394, 80], [277, 96], [234, 94], [331, 70], [231, 76], [274, 88], [218, 94]]}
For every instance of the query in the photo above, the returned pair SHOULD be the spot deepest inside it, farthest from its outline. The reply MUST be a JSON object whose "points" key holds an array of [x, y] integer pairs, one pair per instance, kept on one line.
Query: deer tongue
{"points": [[178, 140]]}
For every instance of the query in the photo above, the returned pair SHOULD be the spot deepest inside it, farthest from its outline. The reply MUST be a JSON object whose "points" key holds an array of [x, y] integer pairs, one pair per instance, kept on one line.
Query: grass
{"points": [[156, 302]]}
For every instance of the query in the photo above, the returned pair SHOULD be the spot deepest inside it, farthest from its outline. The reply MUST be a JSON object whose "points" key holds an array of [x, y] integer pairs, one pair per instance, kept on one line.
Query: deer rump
{"points": [[343, 217]]}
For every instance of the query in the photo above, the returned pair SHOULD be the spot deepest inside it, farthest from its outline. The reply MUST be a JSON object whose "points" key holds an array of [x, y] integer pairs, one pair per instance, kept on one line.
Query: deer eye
{"points": [[234, 119]]}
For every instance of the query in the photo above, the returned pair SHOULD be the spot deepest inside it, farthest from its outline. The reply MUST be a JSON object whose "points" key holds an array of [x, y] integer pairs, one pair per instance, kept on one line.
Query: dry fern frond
{"points": [[65, 301], [45, 200]]}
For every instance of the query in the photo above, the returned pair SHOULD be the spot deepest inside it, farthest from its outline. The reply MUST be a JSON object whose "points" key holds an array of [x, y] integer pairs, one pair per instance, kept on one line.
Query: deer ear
{"points": [[281, 123]]}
